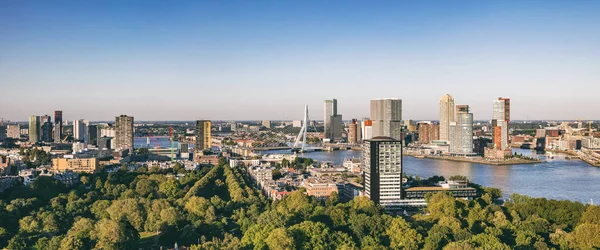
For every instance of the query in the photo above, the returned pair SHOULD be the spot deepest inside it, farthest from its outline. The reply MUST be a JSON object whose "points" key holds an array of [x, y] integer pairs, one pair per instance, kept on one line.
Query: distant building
{"points": [[13, 131], [87, 165], [461, 132], [446, 116], [333, 121], [79, 130], [104, 142], [540, 133], [353, 132], [184, 151], [92, 134], [124, 133], [382, 161], [34, 128], [203, 135], [366, 127], [297, 123], [386, 115], [266, 124], [46, 131], [502, 117], [58, 128], [411, 126], [428, 132]]}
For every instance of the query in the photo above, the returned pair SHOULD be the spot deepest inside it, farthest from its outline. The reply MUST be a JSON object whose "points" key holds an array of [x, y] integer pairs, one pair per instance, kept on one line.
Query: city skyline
{"points": [[265, 60]]}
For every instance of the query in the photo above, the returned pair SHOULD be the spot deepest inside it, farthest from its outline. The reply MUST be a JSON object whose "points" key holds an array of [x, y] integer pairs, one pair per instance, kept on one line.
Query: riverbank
{"points": [[480, 160]]}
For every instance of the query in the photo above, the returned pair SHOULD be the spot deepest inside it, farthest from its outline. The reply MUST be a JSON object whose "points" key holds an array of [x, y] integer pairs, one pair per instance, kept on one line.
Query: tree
{"points": [[402, 236], [279, 239], [441, 204], [585, 236], [591, 215], [169, 188], [276, 174], [110, 234]]}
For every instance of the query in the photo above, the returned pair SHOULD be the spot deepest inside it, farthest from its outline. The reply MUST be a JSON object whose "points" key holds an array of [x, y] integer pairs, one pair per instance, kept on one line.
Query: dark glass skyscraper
{"points": [[58, 119]]}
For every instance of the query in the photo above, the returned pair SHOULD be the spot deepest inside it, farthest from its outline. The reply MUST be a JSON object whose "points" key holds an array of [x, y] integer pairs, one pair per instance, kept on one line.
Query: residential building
{"points": [[79, 130], [502, 117], [203, 135], [386, 115], [461, 132], [88, 165], [382, 161], [428, 132], [13, 131], [319, 188], [446, 116], [58, 128], [353, 132], [124, 133], [333, 121], [34, 128]]}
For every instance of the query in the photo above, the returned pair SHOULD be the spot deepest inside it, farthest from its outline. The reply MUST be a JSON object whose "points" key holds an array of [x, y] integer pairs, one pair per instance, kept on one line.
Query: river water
{"points": [[557, 178]]}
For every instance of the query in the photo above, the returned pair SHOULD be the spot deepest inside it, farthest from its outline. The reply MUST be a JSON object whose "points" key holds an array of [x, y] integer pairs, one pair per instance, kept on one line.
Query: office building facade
{"points": [[34, 128], [333, 121], [386, 115], [203, 135], [58, 126], [382, 165], [446, 116], [124, 133]]}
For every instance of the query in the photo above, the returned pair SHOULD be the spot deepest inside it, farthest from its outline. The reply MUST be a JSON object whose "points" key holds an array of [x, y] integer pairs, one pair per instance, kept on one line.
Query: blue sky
{"points": [[185, 60]]}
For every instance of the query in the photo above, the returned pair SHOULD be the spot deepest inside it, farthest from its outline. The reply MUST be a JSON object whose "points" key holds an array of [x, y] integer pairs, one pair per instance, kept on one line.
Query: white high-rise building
{"points": [[446, 116], [461, 132], [366, 127], [79, 130], [386, 115]]}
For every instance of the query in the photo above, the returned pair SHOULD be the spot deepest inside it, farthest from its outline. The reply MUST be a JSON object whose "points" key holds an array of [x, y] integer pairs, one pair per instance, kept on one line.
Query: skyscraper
{"points": [[502, 119], [382, 160], [92, 134], [333, 121], [203, 135], [353, 132], [46, 131], [124, 133], [386, 115], [34, 128], [366, 127], [79, 130], [446, 116], [58, 133], [461, 132]]}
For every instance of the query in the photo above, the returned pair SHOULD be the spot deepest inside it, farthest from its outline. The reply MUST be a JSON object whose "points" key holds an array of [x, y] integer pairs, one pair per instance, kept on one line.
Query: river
{"points": [[557, 178]]}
